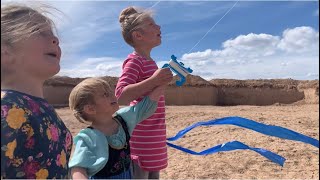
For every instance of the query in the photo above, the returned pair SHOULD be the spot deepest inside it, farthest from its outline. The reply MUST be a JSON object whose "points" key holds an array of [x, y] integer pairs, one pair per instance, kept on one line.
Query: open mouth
{"points": [[52, 54], [159, 35], [114, 103]]}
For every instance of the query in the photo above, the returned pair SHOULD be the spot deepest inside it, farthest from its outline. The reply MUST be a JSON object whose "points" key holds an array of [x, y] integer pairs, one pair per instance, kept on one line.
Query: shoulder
{"points": [[120, 119], [11, 97], [14, 109], [90, 136], [125, 115], [24, 101], [133, 58], [132, 62]]}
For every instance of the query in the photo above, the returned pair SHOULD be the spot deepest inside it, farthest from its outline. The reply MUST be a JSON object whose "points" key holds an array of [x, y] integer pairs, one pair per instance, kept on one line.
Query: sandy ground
{"points": [[302, 160]]}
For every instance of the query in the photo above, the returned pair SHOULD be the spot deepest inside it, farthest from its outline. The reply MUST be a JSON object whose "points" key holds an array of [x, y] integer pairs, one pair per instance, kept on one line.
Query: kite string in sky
{"points": [[154, 5], [213, 27], [209, 29]]}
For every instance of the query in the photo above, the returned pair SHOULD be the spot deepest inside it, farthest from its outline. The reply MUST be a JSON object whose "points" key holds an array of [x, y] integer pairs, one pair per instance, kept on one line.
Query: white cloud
{"points": [[251, 56], [300, 39], [251, 45], [93, 67], [243, 49]]}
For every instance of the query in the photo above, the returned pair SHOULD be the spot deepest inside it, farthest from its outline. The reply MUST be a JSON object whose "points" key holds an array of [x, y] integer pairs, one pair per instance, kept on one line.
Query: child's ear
{"points": [[6, 54], [136, 35], [89, 109]]}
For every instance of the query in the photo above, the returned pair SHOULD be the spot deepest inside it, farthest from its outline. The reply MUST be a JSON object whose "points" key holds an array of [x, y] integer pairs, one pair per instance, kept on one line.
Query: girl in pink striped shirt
{"points": [[140, 75]]}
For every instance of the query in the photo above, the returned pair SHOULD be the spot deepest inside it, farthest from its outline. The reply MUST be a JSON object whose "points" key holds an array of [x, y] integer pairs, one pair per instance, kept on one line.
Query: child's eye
{"points": [[105, 94], [46, 33], [36, 30], [42, 32]]}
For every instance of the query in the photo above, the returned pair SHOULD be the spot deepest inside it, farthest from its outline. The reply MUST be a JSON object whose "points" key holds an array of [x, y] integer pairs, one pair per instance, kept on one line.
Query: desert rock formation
{"points": [[220, 92]]}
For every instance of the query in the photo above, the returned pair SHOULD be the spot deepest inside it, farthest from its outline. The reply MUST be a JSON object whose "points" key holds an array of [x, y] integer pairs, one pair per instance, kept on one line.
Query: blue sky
{"points": [[254, 40]]}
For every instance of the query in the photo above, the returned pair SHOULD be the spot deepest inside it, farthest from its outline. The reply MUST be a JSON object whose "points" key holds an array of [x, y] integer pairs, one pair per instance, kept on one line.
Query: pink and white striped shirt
{"points": [[148, 140]]}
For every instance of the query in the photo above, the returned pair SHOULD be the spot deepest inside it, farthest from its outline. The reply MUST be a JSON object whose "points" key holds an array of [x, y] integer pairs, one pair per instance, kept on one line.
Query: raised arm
{"points": [[128, 89]]}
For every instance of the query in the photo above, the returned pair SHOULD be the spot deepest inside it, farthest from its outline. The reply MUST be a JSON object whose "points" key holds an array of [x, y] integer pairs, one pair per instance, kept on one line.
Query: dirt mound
{"points": [[266, 91], [63, 81], [311, 91], [198, 91], [311, 84], [68, 81], [257, 83], [191, 80], [111, 80]]}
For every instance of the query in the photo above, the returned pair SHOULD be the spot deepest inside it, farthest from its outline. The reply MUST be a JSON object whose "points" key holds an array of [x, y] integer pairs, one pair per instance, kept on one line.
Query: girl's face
{"points": [[106, 103], [151, 33], [38, 56]]}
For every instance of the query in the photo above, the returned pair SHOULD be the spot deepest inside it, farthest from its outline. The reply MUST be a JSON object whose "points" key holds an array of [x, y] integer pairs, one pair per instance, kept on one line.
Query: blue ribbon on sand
{"points": [[270, 130]]}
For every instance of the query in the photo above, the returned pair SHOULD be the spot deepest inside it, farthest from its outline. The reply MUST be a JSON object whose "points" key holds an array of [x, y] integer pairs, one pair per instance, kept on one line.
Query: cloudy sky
{"points": [[217, 39]]}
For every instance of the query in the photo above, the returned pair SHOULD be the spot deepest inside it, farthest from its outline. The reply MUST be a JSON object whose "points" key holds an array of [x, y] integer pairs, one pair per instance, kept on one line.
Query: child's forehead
{"points": [[102, 89], [148, 19], [42, 23], [44, 27], [38, 18]]}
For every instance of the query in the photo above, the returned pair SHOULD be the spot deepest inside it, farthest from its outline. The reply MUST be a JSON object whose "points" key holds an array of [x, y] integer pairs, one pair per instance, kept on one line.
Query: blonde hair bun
{"points": [[126, 13], [130, 19]]}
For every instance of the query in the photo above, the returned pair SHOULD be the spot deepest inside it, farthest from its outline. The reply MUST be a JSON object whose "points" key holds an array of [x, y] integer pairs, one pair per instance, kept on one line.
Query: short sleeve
{"points": [[90, 152]]}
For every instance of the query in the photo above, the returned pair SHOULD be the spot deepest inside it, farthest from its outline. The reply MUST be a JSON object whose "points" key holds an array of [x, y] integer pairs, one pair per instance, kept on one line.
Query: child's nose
{"points": [[55, 40]]}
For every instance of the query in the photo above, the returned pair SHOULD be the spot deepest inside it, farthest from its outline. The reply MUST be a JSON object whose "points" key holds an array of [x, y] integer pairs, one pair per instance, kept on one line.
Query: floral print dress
{"points": [[35, 143]]}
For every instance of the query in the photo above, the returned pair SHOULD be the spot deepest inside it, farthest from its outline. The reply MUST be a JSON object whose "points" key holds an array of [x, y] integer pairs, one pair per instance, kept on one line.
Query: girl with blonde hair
{"points": [[140, 74], [102, 150], [35, 143]]}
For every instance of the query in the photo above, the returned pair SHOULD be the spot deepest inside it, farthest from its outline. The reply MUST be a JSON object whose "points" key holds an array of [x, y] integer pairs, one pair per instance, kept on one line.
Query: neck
{"points": [[143, 52], [108, 126], [25, 85]]}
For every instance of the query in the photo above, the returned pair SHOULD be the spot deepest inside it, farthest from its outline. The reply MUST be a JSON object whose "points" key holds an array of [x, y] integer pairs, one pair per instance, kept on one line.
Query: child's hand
{"points": [[162, 76], [157, 92]]}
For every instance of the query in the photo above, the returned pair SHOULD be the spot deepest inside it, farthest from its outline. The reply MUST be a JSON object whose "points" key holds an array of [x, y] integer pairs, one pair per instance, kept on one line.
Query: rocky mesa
{"points": [[216, 92]]}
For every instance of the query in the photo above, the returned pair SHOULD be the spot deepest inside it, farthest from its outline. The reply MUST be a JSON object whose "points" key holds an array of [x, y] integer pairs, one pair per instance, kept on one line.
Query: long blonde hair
{"points": [[130, 19], [83, 94], [18, 23]]}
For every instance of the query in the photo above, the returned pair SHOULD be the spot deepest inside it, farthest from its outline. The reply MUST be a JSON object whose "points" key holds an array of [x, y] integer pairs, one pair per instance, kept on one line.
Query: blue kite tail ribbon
{"points": [[233, 145], [270, 130]]}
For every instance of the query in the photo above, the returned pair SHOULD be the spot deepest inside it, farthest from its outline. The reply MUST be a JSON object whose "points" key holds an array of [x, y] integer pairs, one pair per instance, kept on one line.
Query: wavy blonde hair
{"points": [[84, 93], [19, 22]]}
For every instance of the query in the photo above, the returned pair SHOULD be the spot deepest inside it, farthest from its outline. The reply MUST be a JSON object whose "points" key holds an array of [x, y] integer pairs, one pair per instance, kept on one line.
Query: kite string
{"points": [[213, 26], [209, 29], [154, 5]]}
